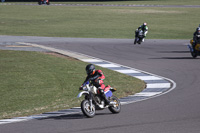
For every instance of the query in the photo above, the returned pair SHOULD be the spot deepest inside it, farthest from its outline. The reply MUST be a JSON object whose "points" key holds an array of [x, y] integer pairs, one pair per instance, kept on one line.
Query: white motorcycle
{"points": [[93, 101]]}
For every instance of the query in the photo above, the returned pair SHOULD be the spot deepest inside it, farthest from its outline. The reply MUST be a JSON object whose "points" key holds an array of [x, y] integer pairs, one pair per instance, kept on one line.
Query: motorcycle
{"points": [[40, 2], [195, 51], [93, 101], [139, 35]]}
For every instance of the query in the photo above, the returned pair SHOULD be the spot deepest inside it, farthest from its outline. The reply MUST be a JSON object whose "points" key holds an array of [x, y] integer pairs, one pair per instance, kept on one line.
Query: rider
{"points": [[196, 36], [144, 28], [96, 77]]}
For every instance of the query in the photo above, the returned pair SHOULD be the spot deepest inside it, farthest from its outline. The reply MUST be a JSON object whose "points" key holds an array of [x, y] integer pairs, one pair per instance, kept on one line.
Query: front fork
{"points": [[90, 100], [191, 48]]}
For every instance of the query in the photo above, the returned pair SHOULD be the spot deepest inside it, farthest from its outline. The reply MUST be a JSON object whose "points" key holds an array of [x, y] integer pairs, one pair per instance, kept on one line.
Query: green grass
{"points": [[33, 82], [98, 22], [138, 2]]}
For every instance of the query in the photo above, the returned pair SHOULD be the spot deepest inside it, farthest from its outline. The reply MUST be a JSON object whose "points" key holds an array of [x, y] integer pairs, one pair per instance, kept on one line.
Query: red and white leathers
{"points": [[97, 80]]}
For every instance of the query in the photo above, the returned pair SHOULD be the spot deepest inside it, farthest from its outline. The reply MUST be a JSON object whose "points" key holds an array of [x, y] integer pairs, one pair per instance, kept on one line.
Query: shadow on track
{"points": [[73, 116], [173, 51], [176, 58]]}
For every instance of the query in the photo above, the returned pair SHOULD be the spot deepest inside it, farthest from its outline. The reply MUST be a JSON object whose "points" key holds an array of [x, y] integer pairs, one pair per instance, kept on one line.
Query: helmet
{"points": [[198, 30], [90, 68], [145, 24]]}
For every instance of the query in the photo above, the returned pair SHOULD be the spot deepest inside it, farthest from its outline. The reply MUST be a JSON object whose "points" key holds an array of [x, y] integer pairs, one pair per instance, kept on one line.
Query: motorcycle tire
{"points": [[194, 55], [115, 109], [86, 109], [135, 41]]}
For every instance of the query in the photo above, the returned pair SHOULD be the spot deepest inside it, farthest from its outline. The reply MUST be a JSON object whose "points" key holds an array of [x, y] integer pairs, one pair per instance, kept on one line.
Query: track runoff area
{"points": [[155, 85]]}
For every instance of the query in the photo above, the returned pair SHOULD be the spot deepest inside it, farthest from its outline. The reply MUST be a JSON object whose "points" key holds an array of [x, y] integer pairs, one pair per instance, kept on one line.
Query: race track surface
{"points": [[175, 112]]}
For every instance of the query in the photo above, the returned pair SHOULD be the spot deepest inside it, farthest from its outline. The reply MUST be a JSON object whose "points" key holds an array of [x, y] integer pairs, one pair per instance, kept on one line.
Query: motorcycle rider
{"points": [[144, 28], [96, 77], [196, 37]]}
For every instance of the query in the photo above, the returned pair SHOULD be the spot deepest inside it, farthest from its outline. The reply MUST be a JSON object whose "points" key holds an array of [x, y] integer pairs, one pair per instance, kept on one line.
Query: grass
{"points": [[33, 82], [138, 2], [97, 22]]}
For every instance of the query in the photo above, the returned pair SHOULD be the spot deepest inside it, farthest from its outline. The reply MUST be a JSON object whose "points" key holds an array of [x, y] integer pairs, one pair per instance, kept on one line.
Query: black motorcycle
{"points": [[138, 36]]}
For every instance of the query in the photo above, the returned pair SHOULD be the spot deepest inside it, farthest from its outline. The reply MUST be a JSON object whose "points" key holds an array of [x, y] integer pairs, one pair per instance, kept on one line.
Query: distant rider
{"points": [[96, 77], [144, 28], [196, 37]]}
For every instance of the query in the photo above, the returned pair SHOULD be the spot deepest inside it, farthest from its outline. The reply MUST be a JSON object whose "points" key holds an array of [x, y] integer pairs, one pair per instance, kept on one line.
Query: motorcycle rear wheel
{"points": [[87, 109], [117, 108]]}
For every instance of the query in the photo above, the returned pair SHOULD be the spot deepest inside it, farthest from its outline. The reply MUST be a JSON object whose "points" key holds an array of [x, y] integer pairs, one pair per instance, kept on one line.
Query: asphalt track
{"points": [[174, 112]]}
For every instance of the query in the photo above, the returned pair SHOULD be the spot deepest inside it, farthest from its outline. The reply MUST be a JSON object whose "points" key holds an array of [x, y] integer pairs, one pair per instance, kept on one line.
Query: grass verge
{"points": [[97, 22], [123, 2], [33, 82]]}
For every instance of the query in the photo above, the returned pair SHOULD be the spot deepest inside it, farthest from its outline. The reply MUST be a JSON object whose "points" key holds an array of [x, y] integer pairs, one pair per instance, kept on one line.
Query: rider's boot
{"points": [[107, 102], [193, 46]]}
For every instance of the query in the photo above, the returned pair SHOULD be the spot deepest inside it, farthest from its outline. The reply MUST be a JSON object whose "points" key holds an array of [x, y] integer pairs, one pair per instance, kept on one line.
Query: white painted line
{"points": [[16, 46], [38, 117], [76, 108], [11, 120], [64, 52], [159, 85], [147, 94], [24, 118], [107, 65], [148, 78], [123, 103], [5, 121], [127, 71], [91, 60]]}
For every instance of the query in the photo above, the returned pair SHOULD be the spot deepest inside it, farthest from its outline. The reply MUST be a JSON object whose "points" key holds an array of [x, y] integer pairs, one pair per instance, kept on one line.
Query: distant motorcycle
{"points": [[195, 51], [138, 36], [40, 2], [93, 101]]}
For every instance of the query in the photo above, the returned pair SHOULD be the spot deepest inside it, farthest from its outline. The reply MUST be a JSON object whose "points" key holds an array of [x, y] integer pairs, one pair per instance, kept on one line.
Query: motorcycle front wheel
{"points": [[194, 55], [117, 107], [135, 41], [88, 110]]}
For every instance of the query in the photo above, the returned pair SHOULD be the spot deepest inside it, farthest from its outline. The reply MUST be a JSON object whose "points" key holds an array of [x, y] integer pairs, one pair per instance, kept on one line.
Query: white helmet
{"points": [[198, 30]]}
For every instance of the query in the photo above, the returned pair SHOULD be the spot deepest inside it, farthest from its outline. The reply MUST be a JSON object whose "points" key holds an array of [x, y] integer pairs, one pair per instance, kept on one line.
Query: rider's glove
{"points": [[97, 80], [81, 88]]}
